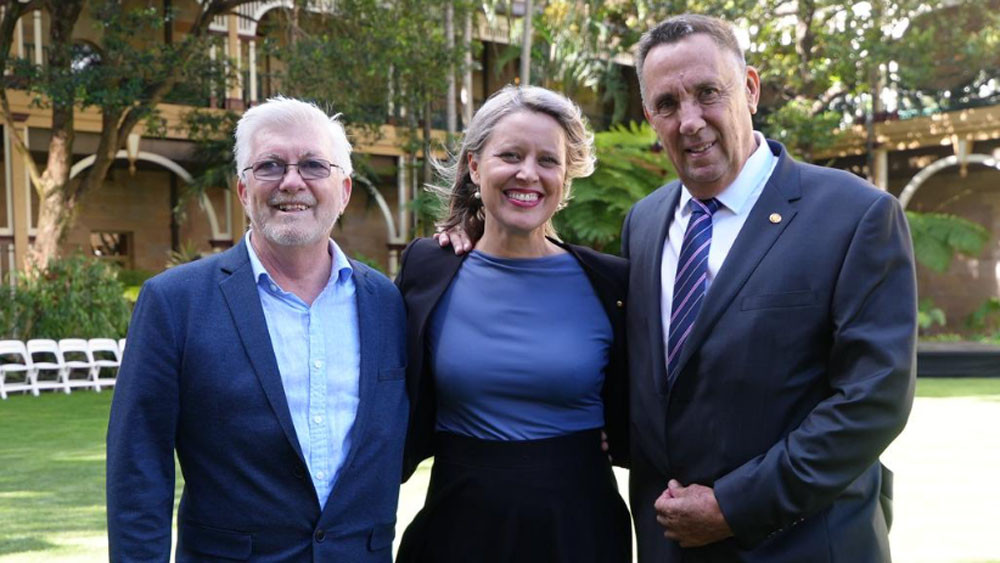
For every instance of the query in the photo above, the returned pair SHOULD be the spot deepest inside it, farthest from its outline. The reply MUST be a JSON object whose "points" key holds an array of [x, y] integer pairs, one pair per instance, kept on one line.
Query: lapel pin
{"points": [[775, 218]]}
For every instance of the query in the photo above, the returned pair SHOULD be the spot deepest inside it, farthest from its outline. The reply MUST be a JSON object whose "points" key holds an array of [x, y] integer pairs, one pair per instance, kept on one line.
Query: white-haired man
{"points": [[274, 370]]}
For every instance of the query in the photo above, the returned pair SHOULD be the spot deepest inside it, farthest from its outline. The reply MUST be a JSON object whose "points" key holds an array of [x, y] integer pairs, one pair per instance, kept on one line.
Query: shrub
{"points": [[74, 297]]}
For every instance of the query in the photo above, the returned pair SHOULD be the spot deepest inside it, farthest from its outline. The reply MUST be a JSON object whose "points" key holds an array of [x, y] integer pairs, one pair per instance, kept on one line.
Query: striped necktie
{"points": [[691, 279]]}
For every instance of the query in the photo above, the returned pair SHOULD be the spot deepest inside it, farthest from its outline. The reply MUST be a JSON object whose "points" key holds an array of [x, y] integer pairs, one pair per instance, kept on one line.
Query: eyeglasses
{"points": [[309, 169]]}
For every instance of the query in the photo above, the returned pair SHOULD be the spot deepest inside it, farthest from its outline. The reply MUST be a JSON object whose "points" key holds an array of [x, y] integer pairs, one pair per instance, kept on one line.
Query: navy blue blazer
{"points": [[200, 377], [798, 372], [426, 273]]}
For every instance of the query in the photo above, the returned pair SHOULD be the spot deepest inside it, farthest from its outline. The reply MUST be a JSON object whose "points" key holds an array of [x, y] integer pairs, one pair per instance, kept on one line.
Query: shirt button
{"points": [[318, 419], [320, 475], [274, 287], [620, 303], [317, 364]]}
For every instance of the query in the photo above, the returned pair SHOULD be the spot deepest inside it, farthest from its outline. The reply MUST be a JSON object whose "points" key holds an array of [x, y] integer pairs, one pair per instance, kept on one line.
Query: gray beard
{"points": [[289, 235]]}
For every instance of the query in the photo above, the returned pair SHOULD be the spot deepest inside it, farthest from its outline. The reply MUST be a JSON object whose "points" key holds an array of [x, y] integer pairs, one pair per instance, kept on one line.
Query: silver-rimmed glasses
{"points": [[271, 170]]}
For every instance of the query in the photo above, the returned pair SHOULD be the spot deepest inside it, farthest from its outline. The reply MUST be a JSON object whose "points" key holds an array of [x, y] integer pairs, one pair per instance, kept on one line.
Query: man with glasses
{"points": [[274, 370]]}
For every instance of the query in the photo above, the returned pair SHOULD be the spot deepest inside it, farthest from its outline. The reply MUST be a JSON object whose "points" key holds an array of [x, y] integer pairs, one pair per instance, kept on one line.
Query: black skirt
{"points": [[546, 501]]}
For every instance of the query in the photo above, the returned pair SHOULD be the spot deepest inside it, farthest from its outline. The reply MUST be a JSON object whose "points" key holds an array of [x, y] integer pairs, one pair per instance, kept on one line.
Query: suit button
{"points": [[320, 536], [298, 472], [620, 303]]}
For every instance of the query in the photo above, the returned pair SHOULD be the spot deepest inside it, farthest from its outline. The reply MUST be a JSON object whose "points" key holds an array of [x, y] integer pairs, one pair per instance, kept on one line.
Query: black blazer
{"points": [[425, 274]]}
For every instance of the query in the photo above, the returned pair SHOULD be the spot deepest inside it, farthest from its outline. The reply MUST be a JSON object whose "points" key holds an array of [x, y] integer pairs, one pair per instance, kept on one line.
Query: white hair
{"points": [[282, 112]]}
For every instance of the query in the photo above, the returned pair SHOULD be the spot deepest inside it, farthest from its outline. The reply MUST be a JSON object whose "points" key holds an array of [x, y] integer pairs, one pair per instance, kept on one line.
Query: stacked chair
{"points": [[70, 363]]}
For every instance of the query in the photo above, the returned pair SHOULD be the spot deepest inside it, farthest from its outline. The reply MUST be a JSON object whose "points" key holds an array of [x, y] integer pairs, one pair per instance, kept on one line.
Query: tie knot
{"points": [[707, 206]]}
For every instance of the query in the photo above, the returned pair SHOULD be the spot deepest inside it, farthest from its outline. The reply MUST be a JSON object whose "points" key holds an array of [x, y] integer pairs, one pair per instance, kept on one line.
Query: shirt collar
{"points": [[340, 267], [755, 170]]}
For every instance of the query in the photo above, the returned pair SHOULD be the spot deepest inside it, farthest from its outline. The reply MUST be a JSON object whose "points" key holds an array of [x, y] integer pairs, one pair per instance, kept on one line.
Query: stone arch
{"points": [[204, 201], [914, 184]]}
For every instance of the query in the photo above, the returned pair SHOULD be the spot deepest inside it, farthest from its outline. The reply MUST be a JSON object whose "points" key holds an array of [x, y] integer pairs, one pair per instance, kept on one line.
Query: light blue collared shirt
{"points": [[319, 357]]}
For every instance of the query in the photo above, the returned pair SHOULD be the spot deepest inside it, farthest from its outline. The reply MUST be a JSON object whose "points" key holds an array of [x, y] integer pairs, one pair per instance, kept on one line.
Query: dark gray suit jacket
{"points": [[798, 372]]}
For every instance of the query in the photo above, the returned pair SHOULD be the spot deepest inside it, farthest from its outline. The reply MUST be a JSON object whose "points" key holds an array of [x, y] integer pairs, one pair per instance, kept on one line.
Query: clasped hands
{"points": [[691, 515]]}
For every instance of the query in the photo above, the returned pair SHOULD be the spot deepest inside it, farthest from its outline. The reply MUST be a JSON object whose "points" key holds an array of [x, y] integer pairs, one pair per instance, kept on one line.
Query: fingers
{"points": [[674, 488], [461, 242], [442, 239]]}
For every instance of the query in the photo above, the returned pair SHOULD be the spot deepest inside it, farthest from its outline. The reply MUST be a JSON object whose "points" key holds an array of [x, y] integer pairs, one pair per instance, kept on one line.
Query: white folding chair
{"points": [[14, 358], [50, 372], [77, 358], [107, 356], [121, 348]]}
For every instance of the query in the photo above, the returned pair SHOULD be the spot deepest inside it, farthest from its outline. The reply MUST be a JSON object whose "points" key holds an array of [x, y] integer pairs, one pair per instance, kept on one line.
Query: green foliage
{"points": [[937, 237], [368, 261], [134, 277], [929, 315], [798, 129], [427, 207], [402, 62], [118, 71], [74, 297], [986, 319], [188, 252], [627, 170], [212, 131]]}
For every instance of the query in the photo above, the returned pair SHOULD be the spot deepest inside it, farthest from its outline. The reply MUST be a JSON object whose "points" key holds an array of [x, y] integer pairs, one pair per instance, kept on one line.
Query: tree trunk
{"points": [[467, 69], [529, 11], [54, 215], [56, 203], [449, 32]]}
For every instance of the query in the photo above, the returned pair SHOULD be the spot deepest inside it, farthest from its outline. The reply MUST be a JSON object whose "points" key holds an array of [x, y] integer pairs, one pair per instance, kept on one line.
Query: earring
{"points": [[477, 195]]}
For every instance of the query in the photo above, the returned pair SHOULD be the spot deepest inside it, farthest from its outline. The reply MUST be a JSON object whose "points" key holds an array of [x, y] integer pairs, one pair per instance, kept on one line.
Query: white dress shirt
{"points": [[737, 200]]}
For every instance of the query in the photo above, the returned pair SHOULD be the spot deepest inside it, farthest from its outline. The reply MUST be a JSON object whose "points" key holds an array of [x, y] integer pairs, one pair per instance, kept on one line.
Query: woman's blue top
{"points": [[518, 349]]}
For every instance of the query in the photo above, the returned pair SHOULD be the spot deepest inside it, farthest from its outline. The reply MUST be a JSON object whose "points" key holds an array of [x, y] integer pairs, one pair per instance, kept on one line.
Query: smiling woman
{"points": [[512, 408], [513, 116]]}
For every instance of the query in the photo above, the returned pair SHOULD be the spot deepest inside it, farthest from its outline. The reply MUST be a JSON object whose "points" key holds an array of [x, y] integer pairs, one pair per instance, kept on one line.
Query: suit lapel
{"points": [[240, 291], [369, 339], [653, 256], [756, 238]]}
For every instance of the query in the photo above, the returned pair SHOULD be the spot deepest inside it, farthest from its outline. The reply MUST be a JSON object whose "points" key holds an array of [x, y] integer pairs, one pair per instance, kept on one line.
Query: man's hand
{"points": [[457, 238], [691, 515], [604, 444]]}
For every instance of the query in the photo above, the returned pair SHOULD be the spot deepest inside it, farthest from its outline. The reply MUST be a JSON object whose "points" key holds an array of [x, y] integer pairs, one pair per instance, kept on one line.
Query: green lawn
{"points": [[52, 475], [980, 388]]}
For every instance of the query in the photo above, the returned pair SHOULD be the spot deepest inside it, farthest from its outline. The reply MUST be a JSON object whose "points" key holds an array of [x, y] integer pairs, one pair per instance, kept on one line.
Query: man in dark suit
{"points": [[275, 370], [771, 326]]}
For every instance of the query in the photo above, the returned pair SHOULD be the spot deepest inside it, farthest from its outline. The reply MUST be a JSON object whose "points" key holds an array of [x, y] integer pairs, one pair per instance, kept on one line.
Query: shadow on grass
{"points": [[10, 546]]}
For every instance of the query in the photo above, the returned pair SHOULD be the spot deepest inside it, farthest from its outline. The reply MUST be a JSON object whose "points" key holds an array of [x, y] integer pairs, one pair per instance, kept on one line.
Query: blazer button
{"points": [[620, 303], [298, 472], [320, 536]]}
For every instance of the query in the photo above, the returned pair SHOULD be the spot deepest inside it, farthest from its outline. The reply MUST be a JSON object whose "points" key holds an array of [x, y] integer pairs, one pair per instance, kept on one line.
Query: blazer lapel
{"points": [[369, 337], [444, 264], [240, 291], [653, 256], [755, 239]]}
